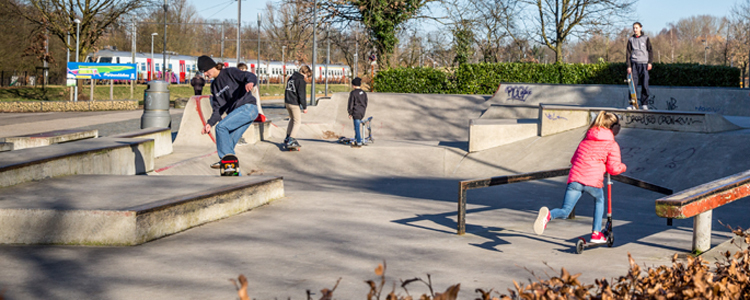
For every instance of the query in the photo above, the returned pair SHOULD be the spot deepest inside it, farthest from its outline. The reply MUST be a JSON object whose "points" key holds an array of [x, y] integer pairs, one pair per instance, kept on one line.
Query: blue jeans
{"points": [[230, 129], [572, 194], [357, 131]]}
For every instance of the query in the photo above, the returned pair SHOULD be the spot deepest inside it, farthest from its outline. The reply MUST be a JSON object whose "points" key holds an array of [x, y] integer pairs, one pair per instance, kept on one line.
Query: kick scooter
{"points": [[607, 231]]}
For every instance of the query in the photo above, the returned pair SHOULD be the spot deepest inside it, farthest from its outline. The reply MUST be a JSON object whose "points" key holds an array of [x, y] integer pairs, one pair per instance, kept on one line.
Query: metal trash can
{"points": [[156, 105]]}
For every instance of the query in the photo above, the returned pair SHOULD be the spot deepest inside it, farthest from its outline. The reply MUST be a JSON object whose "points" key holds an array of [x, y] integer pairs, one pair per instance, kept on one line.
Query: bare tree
{"points": [[95, 15], [556, 20], [286, 24]]}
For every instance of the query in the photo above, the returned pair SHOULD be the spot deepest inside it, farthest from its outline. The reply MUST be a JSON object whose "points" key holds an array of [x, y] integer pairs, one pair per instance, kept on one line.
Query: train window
{"points": [[105, 59], [143, 67], [170, 66], [157, 67], [118, 60]]}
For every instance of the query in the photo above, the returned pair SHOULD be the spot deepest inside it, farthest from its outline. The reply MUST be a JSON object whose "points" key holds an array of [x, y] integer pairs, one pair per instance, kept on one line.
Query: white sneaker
{"points": [[645, 107], [216, 165], [541, 220], [630, 107]]}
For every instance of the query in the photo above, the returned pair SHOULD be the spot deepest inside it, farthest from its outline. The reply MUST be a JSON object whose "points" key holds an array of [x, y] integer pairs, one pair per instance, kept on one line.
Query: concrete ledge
{"points": [[116, 156], [50, 137], [6, 146], [162, 139], [511, 111], [489, 133], [59, 106], [112, 212], [556, 119]]}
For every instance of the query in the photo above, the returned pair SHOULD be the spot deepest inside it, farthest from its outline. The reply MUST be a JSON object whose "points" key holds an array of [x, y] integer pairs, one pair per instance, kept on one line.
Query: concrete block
{"points": [[511, 111], [119, 156], [489, 133], [162, 139], [556, 119], [49, 138], [6, 146], [124, 210]]}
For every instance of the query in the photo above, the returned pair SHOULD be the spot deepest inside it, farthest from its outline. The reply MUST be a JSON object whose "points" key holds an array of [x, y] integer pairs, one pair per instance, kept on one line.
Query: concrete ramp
{"points": [[414, 116], [725, 101]]}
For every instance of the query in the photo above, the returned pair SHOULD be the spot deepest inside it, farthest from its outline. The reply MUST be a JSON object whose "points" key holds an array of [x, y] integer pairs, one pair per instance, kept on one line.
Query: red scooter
{"points": [[607, 231]]}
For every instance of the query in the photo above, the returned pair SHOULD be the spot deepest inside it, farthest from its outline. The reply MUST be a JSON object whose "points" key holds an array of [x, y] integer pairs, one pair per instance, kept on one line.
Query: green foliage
{"points": [[382, 19], [484, 78], [463, 38], [414, 80]]}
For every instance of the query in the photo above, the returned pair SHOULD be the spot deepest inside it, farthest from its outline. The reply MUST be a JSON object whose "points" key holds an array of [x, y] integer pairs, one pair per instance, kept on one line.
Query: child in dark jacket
{"points": [[356, 107], [596, 154]]}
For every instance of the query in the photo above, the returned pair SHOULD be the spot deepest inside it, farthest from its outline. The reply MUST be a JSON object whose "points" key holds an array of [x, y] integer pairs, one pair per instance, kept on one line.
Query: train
{"points": [[182, 68]]}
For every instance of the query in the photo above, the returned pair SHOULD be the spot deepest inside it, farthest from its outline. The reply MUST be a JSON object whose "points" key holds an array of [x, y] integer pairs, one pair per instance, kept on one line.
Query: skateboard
{"points": [[631, 88], [366, 141], [230, 165], [293, 146]]}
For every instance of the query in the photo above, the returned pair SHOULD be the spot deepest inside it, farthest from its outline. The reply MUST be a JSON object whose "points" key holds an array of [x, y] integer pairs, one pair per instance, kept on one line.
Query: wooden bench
{"points": [[698, 203]]}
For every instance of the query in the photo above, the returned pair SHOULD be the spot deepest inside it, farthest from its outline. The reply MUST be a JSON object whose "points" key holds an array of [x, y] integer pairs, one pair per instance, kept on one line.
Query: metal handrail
{"points": [[466, 185]]}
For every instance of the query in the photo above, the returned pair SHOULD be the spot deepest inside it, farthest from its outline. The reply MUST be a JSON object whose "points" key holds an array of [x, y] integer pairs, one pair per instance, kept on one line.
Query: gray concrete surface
{"points": [[346, 210], [124, 210], [49, 138]]}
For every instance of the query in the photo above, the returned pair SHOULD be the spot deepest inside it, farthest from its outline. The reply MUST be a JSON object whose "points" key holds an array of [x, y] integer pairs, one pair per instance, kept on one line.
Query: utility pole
{"points": [[356, 53], [239, 28], [283, 67], [258, 60], [132, 53], [315, 51], [164, 49], [78, 37], [328, 53], [221, 56]]}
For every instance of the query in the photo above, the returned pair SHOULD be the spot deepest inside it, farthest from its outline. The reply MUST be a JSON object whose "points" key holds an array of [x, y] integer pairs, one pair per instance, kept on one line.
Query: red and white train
{"points": [[181, 68]]}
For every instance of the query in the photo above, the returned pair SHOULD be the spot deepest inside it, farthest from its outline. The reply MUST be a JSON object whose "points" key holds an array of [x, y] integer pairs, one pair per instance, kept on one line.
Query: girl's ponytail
{"points": [[604, 119]]}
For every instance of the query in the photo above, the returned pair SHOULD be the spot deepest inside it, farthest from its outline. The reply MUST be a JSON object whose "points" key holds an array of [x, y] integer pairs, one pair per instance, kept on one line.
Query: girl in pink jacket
{"points": [[596, 154]]}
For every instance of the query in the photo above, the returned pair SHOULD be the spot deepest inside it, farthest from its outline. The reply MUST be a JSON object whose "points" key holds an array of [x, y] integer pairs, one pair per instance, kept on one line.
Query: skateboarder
{"points": [[638, 60], [356, 107], [294, 100], [230, 92], [596, 154]]}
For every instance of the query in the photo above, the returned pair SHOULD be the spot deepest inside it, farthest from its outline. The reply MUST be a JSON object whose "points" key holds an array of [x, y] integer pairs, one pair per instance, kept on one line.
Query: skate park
{"points": [[342, 211]]}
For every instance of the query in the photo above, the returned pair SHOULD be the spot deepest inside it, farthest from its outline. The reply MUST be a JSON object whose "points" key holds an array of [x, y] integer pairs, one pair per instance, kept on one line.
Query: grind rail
{"points": [[464, 186]]}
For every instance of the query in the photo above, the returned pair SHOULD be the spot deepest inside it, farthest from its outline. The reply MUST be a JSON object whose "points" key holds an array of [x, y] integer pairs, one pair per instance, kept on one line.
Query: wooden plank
{"points": [[705, 197]]}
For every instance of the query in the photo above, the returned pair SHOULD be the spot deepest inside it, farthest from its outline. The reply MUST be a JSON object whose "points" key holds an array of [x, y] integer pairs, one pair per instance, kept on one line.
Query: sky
{"points": [[653, 14]]}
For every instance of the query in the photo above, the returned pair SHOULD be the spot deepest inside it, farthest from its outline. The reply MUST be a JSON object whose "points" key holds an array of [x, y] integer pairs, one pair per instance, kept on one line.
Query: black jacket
{"points": [[357, 104], [295, 90], [228, 90], [197, 82]]}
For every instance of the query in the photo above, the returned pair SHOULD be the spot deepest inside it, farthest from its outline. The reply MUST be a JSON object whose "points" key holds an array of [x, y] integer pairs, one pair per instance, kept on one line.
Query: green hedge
{"points": [[484, 78]]}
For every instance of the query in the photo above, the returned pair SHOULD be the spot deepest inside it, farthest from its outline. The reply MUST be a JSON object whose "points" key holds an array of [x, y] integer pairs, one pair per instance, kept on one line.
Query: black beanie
{"points": [[357, 81], [205, 63]]}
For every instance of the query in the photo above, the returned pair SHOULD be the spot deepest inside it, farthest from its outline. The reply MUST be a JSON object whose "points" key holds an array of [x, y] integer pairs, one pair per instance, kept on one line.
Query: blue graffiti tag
{"points": [[518, 92], [553, 117]]}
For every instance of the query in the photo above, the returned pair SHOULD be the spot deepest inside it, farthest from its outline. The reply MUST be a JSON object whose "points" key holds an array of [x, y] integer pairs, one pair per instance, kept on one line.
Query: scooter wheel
{"points": [[610, 239], [579, 246]]}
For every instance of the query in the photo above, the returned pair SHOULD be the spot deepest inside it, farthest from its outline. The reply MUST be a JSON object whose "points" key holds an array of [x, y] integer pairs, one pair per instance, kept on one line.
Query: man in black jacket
{"points": [[356, 107], [198, 82], [294, 100], [230, 92]]}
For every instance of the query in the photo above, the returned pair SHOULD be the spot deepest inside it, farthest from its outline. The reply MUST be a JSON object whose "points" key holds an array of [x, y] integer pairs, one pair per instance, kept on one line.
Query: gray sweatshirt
{"points": [[639, 50]]}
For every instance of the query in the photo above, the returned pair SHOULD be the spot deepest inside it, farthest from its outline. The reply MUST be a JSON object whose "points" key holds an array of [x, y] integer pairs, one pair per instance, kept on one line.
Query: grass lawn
{"points": [[122, 92]]}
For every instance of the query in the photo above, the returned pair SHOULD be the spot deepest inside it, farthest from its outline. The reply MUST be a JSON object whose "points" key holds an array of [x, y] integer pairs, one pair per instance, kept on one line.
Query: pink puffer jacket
{"points": [[597, 153]]}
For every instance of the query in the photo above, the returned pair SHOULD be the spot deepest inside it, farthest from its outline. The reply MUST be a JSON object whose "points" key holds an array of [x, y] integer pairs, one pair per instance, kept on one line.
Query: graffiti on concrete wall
{"points": [[672, 104], [642, 158], [554, 117], [518, 93], [709, 109], [651, 119]]}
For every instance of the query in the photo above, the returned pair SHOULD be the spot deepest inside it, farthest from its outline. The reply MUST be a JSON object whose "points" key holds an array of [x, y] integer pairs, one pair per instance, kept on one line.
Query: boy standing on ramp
{"points": [[356, 107], [638, 60], [230, 92]]}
